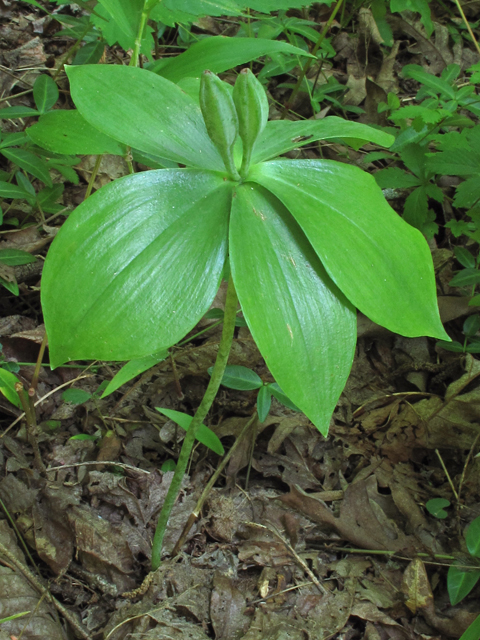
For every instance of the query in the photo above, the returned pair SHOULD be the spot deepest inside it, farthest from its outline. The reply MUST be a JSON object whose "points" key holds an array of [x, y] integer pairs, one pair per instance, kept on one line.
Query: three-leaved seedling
{"points": [[137, 265]]}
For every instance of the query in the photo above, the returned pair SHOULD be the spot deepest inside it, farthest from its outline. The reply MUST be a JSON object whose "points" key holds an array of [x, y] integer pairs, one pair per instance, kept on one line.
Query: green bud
{"points": [[252, 108], [220, 117]]}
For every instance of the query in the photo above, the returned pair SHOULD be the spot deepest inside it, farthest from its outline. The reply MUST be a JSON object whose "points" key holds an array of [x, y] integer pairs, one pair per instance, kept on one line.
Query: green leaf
{"points": [[68, 133], [240, 378], [416, 210], [460, 583], [471, 326], [30, 163], [124, 13], [90, 53], [475, 301], [7, 387], [278, 394], [15, 257], [204, 434], [144, 111], [473, 631], [76, 396], [473, 538], [18, 112], [395, 178], [468, 192], [168, 465], [220, 53], [11, 286], [346, 218], [84, 436], [8, 190], [465, 278], [45, 93], [301, 322], [133, 369], [280, 136], [437, 85], [140, 263], [451, 346], [264, 402], [436, 507]]}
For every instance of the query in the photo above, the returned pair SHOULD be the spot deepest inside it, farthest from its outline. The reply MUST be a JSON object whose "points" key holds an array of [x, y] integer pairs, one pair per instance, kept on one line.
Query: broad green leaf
{"points": [[145, 111], [473, 631], [45, 93], [67, 132], [133, 369], [302, 324], [8, 190], [140, 263], [437, 85], [416, 208], [473, 538], [460, 582], [264, 402], [7, 386], [204, 434], [436, 507], [15, 257], [280, 136], [475, 301], [220, 53], [349, 223], [18, 112], [30, 163], [240, 378]]}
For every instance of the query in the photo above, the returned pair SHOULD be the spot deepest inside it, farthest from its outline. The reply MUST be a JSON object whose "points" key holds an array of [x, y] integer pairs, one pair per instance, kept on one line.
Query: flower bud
{"points": [[252, 108], [220, 117]]}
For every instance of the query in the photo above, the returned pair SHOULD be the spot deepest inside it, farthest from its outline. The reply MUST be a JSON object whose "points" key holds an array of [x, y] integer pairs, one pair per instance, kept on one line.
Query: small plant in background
{"points": [[244, 379], [436, 507], [461, 581]]}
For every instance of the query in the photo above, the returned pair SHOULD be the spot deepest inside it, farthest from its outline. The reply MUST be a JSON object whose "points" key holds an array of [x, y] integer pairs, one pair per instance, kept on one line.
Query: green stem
{"points": [[207, 401], [71, 51], [308, 64], [138, 40]]}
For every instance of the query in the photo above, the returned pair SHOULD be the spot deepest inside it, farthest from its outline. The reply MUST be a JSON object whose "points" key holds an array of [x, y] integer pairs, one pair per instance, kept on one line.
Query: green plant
{"points": [[138, 264], [461, 581], [436, 507], [244, 379]]}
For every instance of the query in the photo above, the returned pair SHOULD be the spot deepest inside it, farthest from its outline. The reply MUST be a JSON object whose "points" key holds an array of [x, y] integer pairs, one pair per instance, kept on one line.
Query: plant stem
{"points": [[205, 493], [71, 51], [467, 24], [207, 401], [138, 40], [308, 64]]}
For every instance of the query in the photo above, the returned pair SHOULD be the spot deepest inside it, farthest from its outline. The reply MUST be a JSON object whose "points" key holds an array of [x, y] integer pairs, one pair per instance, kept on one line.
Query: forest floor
{"points": [[303, 537]]}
